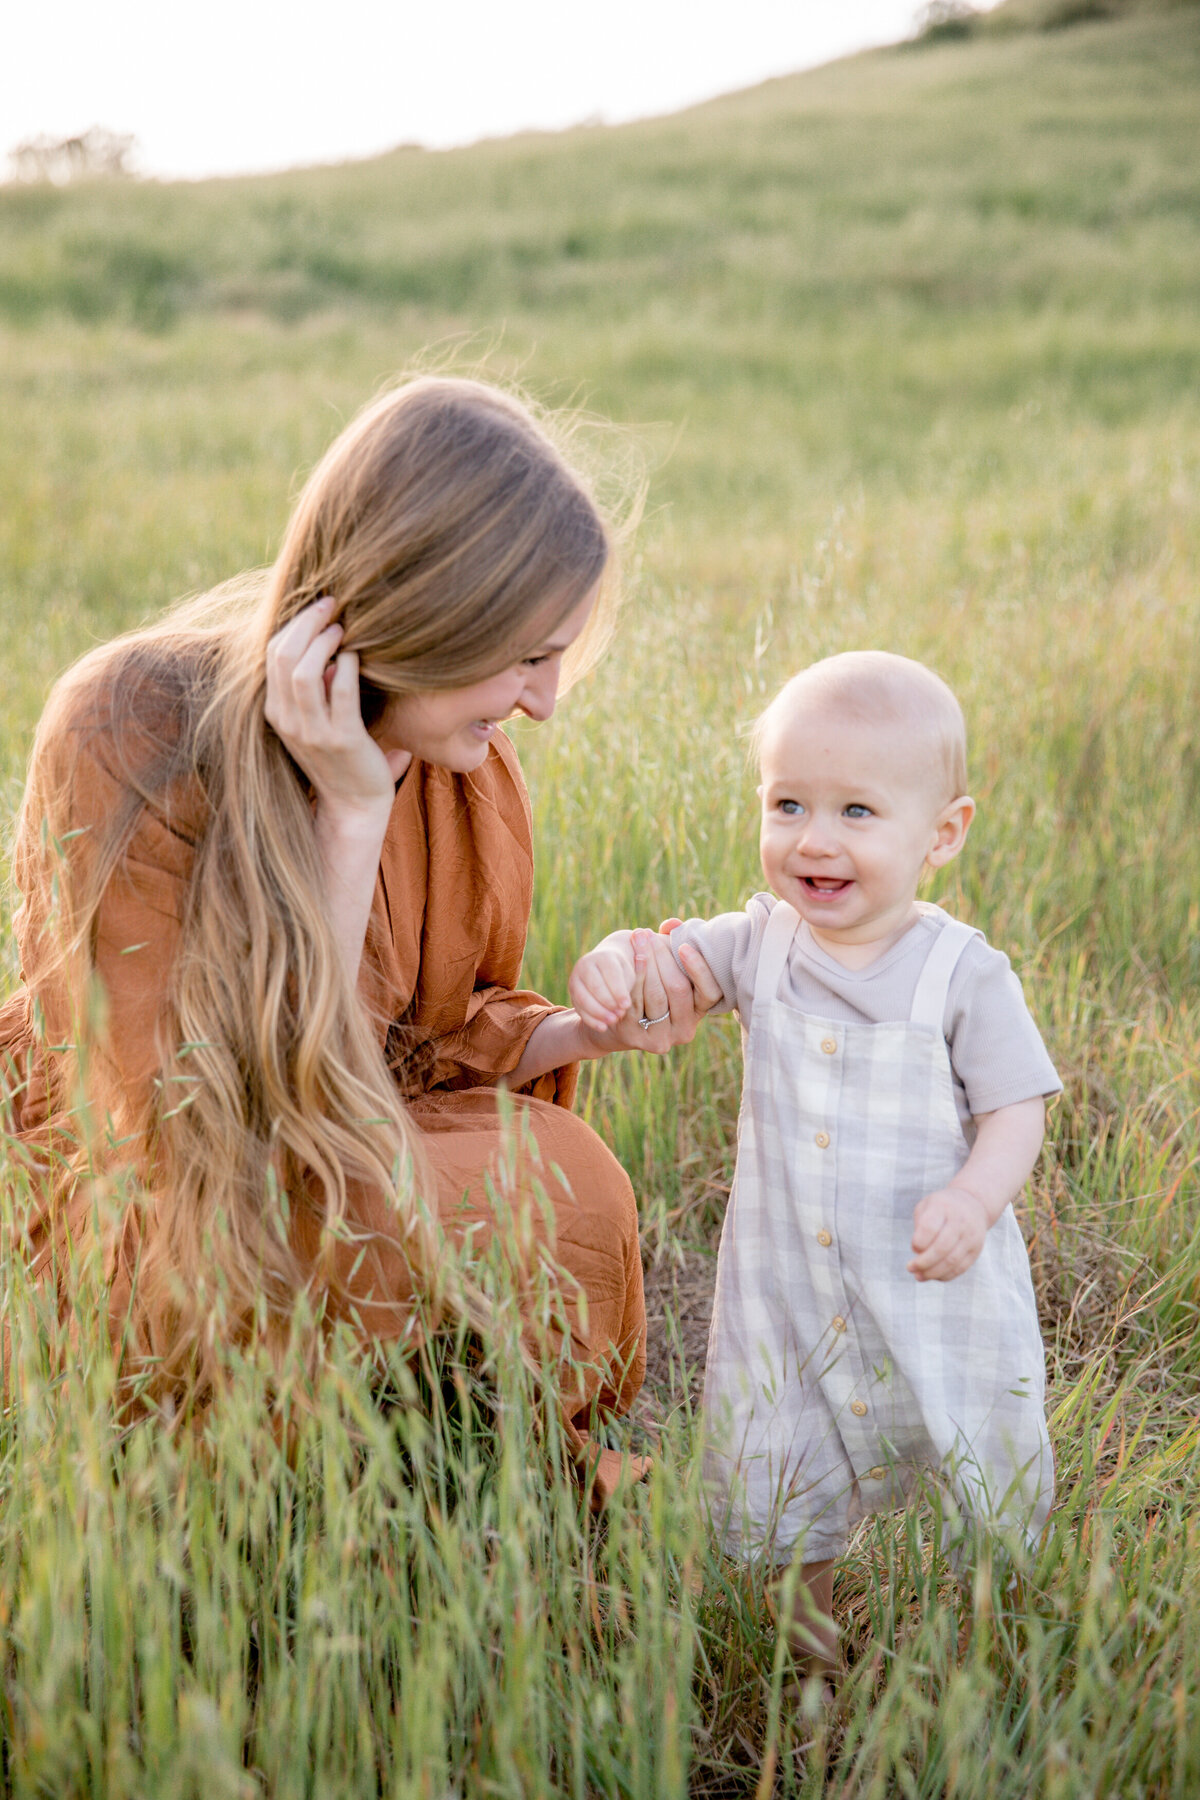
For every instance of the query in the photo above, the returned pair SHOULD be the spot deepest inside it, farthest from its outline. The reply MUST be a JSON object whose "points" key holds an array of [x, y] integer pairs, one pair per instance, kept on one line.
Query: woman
{"points": [[275, 861]]}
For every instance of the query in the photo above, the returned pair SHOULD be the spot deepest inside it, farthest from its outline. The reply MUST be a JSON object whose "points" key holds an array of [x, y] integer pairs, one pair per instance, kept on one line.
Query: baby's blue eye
{"points": [[857, 811], [789, 808]]}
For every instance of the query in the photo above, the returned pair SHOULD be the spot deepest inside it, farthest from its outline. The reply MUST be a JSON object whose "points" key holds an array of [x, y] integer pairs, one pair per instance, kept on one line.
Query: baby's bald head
{"points": [[885, 692]]}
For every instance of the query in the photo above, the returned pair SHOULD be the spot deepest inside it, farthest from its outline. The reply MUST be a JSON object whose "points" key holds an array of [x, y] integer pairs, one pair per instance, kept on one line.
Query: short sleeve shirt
{"points": [[996, 1052]]}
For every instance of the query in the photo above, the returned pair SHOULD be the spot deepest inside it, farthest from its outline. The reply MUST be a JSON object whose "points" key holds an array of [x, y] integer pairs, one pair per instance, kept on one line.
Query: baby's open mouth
{"points": [[825, 884]]}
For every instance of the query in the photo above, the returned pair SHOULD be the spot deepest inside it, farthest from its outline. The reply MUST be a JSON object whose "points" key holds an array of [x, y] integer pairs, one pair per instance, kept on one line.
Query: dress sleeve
{"points": [[500, 1022], [463, 868], [136, 933]]}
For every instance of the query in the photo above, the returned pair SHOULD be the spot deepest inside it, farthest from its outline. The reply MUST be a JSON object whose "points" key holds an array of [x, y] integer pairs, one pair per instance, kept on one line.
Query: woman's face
{"points": [[453, 727]]}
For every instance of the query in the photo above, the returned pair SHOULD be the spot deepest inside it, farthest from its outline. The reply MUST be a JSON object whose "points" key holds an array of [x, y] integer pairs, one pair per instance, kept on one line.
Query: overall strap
{"points": [[933, 983], [773, 952]]}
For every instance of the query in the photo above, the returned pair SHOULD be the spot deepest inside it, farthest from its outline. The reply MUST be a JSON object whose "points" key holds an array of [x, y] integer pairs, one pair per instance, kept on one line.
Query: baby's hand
{"points": [[605, 983], [949, 1229]]}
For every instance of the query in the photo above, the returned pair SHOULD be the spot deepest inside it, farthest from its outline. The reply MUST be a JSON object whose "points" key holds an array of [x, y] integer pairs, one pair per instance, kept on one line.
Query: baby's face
{"points": [[851, 813]]}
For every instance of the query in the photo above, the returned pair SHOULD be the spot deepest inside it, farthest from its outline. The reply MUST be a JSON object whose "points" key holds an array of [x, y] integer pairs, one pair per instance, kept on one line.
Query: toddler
{"points": [[874, 1315]]}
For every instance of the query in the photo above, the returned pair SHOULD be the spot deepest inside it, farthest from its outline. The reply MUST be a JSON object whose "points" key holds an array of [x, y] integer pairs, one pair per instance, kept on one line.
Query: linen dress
{"points": [[440, 978], [834, 1379]]}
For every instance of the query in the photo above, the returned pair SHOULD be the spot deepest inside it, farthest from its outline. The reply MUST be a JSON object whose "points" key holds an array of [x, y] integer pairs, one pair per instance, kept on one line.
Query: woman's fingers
{"points": [[667, 996], [297, 659], [292, 640], [313, 675], [345, 706], [706, 989], [655, 998], [312, 701]]}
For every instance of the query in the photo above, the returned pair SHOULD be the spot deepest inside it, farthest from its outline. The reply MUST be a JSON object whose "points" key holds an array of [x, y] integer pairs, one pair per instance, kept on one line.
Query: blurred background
{"points": [[246, 87]]}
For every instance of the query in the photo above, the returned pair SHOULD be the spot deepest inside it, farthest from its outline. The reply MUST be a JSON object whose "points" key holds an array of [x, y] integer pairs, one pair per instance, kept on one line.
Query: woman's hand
{"points": [[673, 1000], [312, 702], [653, 989]]}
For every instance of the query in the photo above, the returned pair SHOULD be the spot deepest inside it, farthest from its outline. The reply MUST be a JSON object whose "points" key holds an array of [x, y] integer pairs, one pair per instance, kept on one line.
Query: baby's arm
{"points": [[949, 1226]]}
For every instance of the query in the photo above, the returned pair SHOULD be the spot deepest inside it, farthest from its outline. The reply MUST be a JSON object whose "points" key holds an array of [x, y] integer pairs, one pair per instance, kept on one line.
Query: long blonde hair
{"points": [[451, 532]]}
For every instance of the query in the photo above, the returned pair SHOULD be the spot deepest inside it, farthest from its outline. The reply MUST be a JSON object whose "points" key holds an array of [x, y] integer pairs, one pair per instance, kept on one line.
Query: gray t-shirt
{"points": [[996, 1054]]}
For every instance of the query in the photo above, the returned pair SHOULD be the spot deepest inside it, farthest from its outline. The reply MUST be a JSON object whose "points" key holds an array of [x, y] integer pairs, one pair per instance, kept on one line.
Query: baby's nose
{"points": [[817, 838]]}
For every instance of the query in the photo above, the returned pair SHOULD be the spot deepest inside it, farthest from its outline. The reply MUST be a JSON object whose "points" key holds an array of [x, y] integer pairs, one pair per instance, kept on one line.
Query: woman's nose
{"points": [[541, 691]]}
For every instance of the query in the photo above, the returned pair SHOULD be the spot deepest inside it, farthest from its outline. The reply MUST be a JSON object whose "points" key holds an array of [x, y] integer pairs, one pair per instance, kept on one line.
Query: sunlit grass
{"points": [[911, 349]]}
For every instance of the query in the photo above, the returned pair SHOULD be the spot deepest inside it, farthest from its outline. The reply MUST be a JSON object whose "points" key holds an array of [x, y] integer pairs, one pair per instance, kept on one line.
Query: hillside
{"points": [[846, 256], [944, 180]]}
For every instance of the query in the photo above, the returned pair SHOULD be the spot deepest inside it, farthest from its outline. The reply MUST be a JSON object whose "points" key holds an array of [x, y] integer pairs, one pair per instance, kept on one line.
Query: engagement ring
{"points": [[647, 1023]]}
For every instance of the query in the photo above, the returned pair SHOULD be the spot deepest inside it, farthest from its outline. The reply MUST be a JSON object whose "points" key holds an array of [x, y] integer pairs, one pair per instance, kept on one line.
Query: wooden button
{"points": [[878, 1474], [839, 1324], [858, 1408], [825, 1238], [829, 1045], [822, 1140]]}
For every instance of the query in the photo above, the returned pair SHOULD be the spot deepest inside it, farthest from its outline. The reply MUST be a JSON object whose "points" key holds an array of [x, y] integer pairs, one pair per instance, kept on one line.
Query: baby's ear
{"points": [[950, 829]]}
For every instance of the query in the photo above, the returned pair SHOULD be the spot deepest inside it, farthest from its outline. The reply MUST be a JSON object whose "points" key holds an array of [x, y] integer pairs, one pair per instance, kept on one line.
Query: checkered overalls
{"points": [[834, 1378]]}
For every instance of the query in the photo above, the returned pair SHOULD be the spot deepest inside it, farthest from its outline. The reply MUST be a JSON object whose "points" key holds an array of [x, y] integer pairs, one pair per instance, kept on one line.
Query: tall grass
{"points": [[911, 348]]}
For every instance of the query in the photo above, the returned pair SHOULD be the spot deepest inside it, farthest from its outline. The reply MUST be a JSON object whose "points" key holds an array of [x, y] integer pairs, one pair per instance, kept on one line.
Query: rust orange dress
{"points": [[440, 973]]}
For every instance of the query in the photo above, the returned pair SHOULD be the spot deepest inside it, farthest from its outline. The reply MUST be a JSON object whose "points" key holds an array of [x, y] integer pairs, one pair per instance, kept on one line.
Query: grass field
{"points": [[911, 350]]}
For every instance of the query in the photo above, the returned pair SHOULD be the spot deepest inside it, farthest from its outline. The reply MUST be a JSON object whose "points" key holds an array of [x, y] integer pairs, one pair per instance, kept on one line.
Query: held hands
{"points": [[949, 1229], [313, 703], [633, 976]]}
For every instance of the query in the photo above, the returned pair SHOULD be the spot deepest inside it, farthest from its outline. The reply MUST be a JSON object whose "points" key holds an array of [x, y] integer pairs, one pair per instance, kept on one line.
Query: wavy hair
{"points": [[453, 532]]}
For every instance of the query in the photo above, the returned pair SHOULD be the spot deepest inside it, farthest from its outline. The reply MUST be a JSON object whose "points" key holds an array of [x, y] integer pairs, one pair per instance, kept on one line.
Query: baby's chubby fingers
{"points": [[949, 1228], [591, 998], [600, 988], [929, 1221], [929, 1216]]}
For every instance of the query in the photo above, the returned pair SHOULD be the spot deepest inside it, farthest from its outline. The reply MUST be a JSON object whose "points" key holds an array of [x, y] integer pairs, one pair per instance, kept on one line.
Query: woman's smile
{"points": [[441, 725]]}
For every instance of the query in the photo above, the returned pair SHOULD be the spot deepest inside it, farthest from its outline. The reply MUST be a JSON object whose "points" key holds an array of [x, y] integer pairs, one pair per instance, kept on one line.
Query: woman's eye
{"points": [[531, 662]]}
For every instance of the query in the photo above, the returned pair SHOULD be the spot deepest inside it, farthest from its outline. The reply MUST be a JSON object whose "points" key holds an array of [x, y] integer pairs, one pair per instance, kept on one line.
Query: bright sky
{"points": [[235, 85]]}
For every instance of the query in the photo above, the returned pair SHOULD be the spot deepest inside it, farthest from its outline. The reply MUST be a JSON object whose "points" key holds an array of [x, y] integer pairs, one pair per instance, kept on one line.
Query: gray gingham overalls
{"points": [[834, 1378]]}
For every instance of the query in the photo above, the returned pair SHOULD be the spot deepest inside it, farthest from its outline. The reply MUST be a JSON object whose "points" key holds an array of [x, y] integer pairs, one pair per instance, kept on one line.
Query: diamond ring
{"points": [[647, 1023]]}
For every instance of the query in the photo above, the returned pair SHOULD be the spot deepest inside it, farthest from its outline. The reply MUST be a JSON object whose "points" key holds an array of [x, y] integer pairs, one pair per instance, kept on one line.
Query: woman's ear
{"points": [[950, 831]]}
